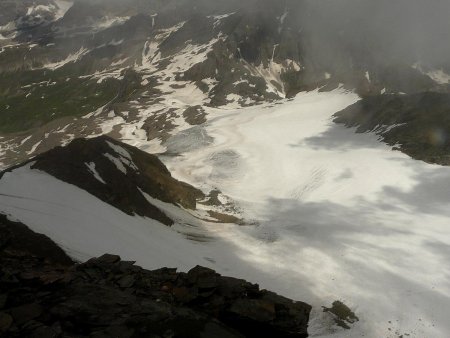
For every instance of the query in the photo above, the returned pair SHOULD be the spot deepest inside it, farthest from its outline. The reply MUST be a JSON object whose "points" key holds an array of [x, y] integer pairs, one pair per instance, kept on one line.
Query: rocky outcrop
{"points": [[118, 174], [195, 115], [418, 125], [42, 295], [17, 237]]}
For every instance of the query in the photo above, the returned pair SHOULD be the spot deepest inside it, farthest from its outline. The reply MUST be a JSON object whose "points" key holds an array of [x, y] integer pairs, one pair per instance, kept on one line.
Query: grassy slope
{"points": [[32, 98]]}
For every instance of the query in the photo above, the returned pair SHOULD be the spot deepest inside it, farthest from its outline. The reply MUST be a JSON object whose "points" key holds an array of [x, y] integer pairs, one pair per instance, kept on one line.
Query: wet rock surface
{"points": [[47, 296]]}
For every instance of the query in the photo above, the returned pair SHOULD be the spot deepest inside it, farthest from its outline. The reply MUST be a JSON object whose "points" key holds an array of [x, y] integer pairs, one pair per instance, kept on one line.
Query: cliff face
{"points": [[44, 294]]}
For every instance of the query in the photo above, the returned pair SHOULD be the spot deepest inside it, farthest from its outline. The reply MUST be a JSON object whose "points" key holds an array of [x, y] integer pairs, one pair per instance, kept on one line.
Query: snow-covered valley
{"points": [[330, 214], [337, 211]]}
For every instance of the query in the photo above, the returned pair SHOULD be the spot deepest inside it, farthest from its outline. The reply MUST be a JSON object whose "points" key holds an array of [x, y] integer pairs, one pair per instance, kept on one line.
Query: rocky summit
{"points": [[45, 294]]}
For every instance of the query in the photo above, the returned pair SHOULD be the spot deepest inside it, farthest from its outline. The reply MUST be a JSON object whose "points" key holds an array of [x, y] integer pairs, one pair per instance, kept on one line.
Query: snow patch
{"points": [[69, 59], [439, 76], [117, 162], [34, 147], [63, 7], [93, 171], [219, 18], [108, 22], [119, 150], [25, 140]]}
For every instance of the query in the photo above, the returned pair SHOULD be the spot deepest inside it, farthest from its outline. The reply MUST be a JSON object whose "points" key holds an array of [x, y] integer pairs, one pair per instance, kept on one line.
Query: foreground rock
{"points": [[44, 294]]}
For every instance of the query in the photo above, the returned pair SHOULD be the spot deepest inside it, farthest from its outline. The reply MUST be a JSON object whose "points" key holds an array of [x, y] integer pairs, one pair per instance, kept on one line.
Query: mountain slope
{"points": [[44, 294], [131, 68], [119, 174], [109, 187], [416, 124]]}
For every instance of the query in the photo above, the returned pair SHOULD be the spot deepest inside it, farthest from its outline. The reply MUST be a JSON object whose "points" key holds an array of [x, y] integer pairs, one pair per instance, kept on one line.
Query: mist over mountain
{"points": [[415, 29]]}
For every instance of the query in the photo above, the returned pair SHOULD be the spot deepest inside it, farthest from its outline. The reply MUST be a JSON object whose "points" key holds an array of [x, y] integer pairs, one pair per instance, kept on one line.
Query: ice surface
{"points": [[341, 216]]}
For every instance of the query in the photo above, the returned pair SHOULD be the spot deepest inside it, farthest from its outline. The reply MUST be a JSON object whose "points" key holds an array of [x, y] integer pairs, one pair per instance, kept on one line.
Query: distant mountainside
{"points": [[131, 68], [23, 15], [418, 124]]}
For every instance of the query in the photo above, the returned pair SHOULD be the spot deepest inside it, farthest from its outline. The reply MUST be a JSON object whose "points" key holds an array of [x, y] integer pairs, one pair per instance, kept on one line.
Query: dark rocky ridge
{"points": [[418, 125], [143, 173], [17, 237], [43, 294]]}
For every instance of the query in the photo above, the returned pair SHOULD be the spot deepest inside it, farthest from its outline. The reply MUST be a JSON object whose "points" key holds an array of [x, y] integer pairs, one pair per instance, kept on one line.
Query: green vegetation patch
{"points": [[31, 99]]}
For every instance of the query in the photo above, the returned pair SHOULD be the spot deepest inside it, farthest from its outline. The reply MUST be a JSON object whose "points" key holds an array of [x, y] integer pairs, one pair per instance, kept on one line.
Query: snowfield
{"points": [[340, 215], [332, 215]]}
